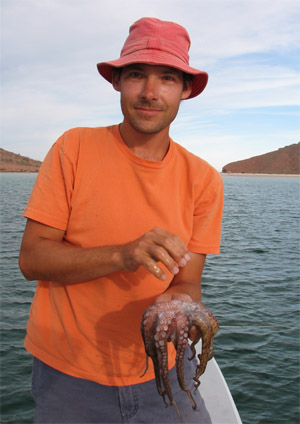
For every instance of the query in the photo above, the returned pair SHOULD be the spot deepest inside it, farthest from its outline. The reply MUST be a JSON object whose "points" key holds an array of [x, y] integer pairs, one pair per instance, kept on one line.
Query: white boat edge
{"points": [[217, 397]]}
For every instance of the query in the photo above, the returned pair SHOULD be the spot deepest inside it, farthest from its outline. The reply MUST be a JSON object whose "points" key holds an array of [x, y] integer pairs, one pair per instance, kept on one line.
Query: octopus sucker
{"points": [[171, 321]]}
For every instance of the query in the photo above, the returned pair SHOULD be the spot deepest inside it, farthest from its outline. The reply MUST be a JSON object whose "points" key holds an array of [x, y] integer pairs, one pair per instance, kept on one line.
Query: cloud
{"points": [[50, 82]]}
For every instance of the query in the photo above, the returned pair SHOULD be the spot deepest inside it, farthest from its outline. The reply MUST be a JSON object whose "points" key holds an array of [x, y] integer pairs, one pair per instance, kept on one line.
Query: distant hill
{"points": [[285, 160], [12, 162]]}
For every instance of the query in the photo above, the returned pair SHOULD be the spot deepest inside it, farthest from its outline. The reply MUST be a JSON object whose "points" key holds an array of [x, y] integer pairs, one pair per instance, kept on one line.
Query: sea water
{"points": [[252, 287]]}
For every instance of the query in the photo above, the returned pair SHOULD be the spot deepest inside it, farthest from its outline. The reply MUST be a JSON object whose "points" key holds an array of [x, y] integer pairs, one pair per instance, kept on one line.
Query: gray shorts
{"points": [[61, 398]]}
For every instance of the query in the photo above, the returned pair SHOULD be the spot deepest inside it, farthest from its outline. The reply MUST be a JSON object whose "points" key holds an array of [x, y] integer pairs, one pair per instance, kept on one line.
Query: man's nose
{"points": [[150, 88]]}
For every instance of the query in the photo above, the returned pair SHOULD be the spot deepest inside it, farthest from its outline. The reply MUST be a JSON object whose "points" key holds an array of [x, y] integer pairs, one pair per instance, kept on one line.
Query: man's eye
{"points": [[135, 75], [169, 78]]}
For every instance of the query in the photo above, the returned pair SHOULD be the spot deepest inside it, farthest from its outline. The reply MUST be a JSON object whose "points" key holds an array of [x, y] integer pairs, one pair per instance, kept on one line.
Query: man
{"points": [[119, 218]]}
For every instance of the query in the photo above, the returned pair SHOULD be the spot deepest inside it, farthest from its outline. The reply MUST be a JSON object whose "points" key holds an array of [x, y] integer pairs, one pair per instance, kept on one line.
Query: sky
{"points": [[250, 49]]}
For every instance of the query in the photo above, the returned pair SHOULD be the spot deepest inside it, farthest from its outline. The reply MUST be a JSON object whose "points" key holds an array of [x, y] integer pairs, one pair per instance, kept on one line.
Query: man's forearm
{"points": [[185, 291], [55, 261], [185, 288], [45, 256], [186, 285]]}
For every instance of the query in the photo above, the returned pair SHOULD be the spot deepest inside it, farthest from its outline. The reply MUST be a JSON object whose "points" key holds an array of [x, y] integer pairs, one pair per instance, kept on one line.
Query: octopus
{"points": [[170, 322]]}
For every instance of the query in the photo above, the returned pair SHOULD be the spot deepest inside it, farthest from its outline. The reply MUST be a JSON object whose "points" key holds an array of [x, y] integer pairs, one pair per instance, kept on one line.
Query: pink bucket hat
{"points": [[157, 42]]}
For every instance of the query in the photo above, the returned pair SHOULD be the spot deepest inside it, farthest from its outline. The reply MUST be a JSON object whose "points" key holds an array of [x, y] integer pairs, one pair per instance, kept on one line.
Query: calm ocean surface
{"points": [[252, 288]]}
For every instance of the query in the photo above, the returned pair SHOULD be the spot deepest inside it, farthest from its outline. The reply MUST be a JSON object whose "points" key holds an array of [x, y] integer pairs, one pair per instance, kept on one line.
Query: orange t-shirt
{"points": [[96, 190]]}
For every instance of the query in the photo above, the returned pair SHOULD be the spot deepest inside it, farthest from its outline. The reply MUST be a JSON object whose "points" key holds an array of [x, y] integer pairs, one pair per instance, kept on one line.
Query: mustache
{"points": [[144, 104]]}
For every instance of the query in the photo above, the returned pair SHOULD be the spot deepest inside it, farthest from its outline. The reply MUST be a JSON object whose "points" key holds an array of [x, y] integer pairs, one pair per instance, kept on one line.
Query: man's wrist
{"points": [[167, 297]]}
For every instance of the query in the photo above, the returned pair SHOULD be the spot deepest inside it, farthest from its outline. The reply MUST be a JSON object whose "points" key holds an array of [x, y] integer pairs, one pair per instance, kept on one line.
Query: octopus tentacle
{"points": [[163, 359], [171, 321], [193, 344], [165, 331], [203, 356], [181, 344], [149, 330]]}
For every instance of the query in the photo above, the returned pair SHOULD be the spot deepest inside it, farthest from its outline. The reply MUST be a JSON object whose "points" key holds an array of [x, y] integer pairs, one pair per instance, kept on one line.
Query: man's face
{"points": [[150, 96]]}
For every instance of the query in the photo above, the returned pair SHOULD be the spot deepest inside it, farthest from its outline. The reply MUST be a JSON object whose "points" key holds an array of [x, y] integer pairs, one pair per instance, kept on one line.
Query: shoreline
{"points": [[31, 170], [19, 171], [244, 174], [223, 174]]}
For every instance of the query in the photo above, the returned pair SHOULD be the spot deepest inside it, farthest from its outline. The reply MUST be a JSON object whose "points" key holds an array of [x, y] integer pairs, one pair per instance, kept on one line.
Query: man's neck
{"points": [[152, 147]]}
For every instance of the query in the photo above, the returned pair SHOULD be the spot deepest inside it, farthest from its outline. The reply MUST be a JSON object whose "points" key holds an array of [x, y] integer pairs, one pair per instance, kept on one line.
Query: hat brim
{"points": [[156, 57]]}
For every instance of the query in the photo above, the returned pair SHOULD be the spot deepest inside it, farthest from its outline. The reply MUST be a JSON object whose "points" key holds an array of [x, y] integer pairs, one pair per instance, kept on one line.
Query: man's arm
{"points": [[186, 285], [45, 256]]}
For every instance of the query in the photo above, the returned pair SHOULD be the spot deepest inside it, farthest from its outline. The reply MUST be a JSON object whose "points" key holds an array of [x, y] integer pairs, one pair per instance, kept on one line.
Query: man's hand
{"points": [[186, 286], [157, 245], [166, 297]]}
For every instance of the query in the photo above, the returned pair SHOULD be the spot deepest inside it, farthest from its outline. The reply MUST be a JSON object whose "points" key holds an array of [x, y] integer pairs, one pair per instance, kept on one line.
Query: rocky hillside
{"points": [[11, 162], [285, 160]]}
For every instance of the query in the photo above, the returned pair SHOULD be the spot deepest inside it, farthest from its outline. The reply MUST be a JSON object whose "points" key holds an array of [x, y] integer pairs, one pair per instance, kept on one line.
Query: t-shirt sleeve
{"points": [[207, 220], [50, 199]]}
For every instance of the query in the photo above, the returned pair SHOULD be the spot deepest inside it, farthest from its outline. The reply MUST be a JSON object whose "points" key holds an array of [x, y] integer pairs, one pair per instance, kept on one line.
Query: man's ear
{"points": [[115, 80], [187, 89]]}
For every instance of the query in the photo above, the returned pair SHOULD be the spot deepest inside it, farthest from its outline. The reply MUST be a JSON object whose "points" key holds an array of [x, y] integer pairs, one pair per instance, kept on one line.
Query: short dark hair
{"points": [[117, 71], [187, 78]]}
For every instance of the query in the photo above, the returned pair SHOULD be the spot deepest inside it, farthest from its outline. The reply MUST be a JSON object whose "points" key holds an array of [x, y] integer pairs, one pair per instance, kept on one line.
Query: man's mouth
{"points": [[148, 107]]}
